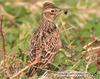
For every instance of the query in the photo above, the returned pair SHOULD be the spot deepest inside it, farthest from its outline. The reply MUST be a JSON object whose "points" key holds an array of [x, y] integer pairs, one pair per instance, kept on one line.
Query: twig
{"points": [[3, 41], [22, 70], [75, 65], [88, 48], [67, 29], [89, 44], [17, 74]]}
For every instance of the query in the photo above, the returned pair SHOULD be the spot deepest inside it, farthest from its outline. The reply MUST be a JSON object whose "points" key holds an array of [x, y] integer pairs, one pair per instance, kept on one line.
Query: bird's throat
{"points": [[48, 17]]}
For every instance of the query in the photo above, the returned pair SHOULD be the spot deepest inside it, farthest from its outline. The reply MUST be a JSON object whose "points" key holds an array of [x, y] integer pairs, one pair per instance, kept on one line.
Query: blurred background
{"points": [[79, 29]]}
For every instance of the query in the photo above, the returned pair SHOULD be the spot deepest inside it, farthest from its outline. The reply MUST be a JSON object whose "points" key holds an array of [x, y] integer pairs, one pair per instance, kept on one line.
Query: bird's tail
{"points": [[31, 71]]}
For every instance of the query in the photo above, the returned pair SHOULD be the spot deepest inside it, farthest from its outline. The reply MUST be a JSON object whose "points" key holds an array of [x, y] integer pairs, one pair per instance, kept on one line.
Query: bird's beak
{"points": [[65, 11]]}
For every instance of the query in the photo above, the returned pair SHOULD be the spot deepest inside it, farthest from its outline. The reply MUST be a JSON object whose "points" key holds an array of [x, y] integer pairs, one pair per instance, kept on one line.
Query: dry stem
{"points": [[22, 70], [3, 41]]}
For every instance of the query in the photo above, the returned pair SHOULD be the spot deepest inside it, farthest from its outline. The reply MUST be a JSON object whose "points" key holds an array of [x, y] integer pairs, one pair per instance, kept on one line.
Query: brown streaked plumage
{"points": [[46, 41]]}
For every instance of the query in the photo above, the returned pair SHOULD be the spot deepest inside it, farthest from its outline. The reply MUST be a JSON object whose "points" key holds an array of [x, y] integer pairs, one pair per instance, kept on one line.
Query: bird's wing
{"points": [[43, 45], [52, 44], [36, 47]]}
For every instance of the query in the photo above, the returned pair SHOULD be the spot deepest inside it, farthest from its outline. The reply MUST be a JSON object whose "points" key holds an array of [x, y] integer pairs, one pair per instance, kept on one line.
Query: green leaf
{"points": [[85, 33], [88, 25], [92, 68], [59, 58], [18, 11], [98, 76], [2, 1], [24, 19], [97, 30], [69, 2], [10, 9]]}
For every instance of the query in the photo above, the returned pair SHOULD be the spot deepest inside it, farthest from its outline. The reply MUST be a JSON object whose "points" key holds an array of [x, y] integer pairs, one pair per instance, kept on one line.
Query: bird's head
{"points": [[50, 11]]}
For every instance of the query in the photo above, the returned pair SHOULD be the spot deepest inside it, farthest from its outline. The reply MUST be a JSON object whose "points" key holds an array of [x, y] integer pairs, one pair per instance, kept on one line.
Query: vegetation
{"points": [[79, 29]]}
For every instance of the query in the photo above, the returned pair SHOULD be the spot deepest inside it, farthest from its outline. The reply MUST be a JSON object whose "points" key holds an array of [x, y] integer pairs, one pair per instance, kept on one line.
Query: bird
{"points": [[45, 42]]}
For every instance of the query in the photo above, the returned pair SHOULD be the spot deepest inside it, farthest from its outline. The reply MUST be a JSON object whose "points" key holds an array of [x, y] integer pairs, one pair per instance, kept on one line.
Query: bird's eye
{"points": [[52, 11]]}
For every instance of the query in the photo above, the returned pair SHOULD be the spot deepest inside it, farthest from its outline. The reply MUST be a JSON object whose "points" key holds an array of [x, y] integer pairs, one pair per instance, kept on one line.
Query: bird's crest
{"points": [[47, 5]]}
